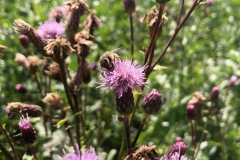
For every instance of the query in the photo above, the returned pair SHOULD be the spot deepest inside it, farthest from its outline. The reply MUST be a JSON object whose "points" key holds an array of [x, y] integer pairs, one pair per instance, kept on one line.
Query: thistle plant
{"points": [[73, 100]]}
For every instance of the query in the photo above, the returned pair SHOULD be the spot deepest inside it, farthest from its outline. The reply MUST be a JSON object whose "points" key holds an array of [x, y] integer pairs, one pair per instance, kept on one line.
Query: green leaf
{"points": [[58, 125], [158, 67], [136, 92]]}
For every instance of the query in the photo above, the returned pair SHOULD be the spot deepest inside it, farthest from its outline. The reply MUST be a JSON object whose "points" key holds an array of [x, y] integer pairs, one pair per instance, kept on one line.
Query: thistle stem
{"points": [[127, 130], [194, 5], [132, 38], [38, 84], [193, 139], [139, 130], [50, 116], [5, 152], [9, 141], [33, 151], [204, 130], [181, 11]]}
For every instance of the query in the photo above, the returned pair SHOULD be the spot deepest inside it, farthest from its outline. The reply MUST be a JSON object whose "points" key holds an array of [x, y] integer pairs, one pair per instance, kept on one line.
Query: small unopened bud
{"points": [[129, 6], [32, 110], [143, 153], [53, 100], [24, 41], [59, 49], [178, 139], [197, 101], [191, 112], [125, 103], [214, 94], [28, 132], [152, 102], [13, 109], [162, 1], [178, 147], [1, 49], [53, 71], [233, 82], [20, 88], [34, 62]]}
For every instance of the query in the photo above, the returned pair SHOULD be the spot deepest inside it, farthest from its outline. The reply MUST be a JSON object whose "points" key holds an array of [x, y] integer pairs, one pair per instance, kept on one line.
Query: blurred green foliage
{"points": [[205, 53]]}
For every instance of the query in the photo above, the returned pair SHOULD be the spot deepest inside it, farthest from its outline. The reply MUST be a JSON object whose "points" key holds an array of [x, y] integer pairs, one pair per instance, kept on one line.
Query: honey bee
{"points": [[107, 59]]}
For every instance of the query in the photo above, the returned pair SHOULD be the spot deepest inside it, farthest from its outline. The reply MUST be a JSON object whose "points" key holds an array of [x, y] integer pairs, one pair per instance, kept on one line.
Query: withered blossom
{"points": [[92, 23], [144, 152], [1, 49], [53, 71]]}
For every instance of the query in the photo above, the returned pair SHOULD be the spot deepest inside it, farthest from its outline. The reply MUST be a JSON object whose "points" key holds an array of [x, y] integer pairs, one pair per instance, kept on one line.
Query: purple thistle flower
{"points": [[125, 75], [234, 80], [28, 132], [51, 30], [87, 155]]}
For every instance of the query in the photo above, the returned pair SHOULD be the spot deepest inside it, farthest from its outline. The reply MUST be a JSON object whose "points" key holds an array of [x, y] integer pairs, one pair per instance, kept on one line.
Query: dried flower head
{"points": [[77, 8], [143, 153], [13, 109], [25, 29], [24, 41], [20, 88], [1, 49], [87, 155], [125, 103], [214, 94], [151, 17], [59, 49], [58, 13], [34, 62], [129, 6], [27, 130], [125, 75], [51, 30], [92, 23], [83, 43], [22, 60], [32, 110], [53, 100], [152, 102], [53, 71]]}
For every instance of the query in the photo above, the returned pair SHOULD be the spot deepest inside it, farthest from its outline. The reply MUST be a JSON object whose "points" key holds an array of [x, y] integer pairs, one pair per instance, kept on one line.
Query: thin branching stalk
{"points": [[132, 37], [194, 5], [6, 153], [204, 130], [9, 141], [139, 130], [50, 116], [193, 138], [38, 84], [220, 138], [33, 151]]}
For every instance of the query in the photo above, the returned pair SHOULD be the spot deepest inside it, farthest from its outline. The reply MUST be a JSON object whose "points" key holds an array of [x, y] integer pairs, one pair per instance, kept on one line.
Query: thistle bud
{"points": [[162, 1], [27, 130], [197, 101], [144, 152], [152, 102], [24, 41], [53, 71], [32, 110], [53, 100], [129, 6], [213, 96], [178, 147], [178, 139], [191, 112], [233, 82], [34, 62], [20, 88], [59, 49], [13, 109], [125, 103], [1, 49]]}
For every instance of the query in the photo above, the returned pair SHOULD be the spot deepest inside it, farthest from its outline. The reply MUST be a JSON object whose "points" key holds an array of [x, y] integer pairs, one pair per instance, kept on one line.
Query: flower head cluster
{"points": [[51, 30], [125, 75], [87, 155], [28, 132]]}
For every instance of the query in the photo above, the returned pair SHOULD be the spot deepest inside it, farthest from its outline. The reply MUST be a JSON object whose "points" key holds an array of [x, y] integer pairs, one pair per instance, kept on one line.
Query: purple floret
{"points": [[51, 30]]}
